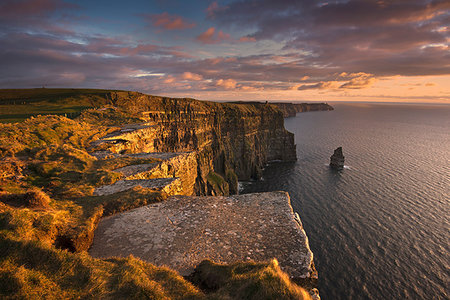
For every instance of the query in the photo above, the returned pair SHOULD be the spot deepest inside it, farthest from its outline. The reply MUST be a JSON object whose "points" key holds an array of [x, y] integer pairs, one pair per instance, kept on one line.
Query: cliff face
{"points": [[291, 109], [234, 141]]}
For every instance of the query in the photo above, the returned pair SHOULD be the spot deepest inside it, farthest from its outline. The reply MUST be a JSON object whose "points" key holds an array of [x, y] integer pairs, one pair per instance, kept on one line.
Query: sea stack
{"points": [[337, 159]]}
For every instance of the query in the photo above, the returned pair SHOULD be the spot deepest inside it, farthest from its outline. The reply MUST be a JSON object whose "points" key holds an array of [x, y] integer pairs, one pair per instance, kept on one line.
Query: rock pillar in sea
{"points": [[337, 159]]}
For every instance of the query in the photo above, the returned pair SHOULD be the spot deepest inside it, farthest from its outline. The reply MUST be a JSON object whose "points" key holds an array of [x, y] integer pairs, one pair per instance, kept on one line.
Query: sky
{"points": [[304, 50]]}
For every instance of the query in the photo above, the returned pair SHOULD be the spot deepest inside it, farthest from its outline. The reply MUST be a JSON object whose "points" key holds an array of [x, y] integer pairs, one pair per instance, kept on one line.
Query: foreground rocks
{"points": [[183, 231]]}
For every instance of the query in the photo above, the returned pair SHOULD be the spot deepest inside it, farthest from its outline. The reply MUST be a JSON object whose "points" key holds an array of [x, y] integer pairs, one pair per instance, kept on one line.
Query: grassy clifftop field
{"points": [[48, 212], [18, 104]]}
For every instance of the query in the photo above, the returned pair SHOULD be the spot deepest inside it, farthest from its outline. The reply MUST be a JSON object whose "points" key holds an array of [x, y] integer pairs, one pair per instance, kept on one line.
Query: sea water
{"points": [[379, 229]]}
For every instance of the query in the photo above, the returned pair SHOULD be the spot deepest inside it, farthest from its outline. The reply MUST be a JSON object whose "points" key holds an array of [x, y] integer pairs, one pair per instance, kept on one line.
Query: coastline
{"points": [[141, 142]]}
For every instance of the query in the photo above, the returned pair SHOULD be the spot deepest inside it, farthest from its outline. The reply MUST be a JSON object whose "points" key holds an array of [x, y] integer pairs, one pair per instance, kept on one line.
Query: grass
{"points": [[17, 105], [249, 280], [31, 270], [217, 184], [46, 157], [48, 213]]}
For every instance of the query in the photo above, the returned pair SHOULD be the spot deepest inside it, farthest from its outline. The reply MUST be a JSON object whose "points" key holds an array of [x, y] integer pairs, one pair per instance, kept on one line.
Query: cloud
{"points": [[12, 10], [191, 76], [227, 83], [210, 36], [358, 83], [385, 38], [337, 47], [212, 8], [52, 16], [320, 85], [168, 22], [245, 39]]}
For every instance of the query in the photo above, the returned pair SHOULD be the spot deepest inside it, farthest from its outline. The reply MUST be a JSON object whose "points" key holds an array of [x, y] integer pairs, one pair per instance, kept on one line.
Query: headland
{"points": [[125, 150]]}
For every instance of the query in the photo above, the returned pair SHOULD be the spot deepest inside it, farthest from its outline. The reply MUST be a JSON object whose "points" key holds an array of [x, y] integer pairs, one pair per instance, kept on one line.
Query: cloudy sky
{"points": [[309, 50]]}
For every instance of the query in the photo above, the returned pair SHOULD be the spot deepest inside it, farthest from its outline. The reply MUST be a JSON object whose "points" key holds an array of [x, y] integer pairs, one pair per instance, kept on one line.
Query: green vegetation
{"points": [[19, 104], [232, 180], [47, 181], [48, 213], [246, 281], [31, 270], [217, 184]]}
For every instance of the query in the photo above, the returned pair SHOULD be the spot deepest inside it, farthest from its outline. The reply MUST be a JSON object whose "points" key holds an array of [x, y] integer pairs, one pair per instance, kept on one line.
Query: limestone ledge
{"points": [[171, 186], [184, 230]]}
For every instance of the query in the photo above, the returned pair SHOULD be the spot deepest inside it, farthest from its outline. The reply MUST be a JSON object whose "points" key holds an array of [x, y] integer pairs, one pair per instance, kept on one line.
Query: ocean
{"points": [[379, 229]]}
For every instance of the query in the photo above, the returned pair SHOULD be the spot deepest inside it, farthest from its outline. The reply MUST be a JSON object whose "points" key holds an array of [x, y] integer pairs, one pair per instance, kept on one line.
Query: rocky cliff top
{"points": [[183, 231]]}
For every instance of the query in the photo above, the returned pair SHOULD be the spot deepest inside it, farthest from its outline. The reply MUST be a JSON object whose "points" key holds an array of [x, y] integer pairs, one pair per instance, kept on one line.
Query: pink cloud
{"points": [[169, 22], [191, 76], [211, 37]]}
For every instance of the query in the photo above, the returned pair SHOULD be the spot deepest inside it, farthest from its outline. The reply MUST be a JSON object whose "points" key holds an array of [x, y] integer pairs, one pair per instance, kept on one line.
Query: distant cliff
{"points": [[291, 109], [233, 141]]}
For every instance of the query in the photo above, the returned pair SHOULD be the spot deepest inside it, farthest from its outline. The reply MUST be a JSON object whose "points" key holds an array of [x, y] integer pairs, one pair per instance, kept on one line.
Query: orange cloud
{"points": [[211, 37], [192, 76], [359, 80], [245, 39], [227, 83], [170, 22]]}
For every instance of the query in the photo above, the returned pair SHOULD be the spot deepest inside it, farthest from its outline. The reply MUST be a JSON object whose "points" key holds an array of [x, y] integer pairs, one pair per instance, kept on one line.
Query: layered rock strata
{"points": [[231, 141], [183, 231]]}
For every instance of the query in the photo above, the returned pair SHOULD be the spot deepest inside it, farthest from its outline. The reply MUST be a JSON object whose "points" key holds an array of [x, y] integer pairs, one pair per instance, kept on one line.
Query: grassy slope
{"points": [[46, 203]]}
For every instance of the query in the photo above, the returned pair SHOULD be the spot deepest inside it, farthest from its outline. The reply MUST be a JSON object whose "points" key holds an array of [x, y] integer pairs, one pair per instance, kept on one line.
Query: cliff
{"points": [[126, 150], [232, 140], [291, 109]]}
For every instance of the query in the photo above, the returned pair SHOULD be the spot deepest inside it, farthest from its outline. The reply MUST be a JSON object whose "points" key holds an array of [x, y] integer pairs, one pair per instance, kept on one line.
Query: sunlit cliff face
{"points": [[368, 50]]}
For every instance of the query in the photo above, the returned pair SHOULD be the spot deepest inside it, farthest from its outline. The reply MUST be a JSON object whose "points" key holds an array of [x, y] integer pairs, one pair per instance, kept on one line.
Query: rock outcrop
{"points": [[233, 140], [183, 231], [337, 159], [291, 109]]}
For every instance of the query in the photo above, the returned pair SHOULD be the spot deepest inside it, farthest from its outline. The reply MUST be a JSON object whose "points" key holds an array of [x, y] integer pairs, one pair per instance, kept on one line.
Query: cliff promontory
{"points": [[291, 109], [177, 162]]}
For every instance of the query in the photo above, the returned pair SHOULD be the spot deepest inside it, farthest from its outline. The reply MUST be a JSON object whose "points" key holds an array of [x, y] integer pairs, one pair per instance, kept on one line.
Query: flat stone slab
{"points": [[123, 185], [126, 129], [136, 169], [143, 155], [157, 155], [183, 231]]}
